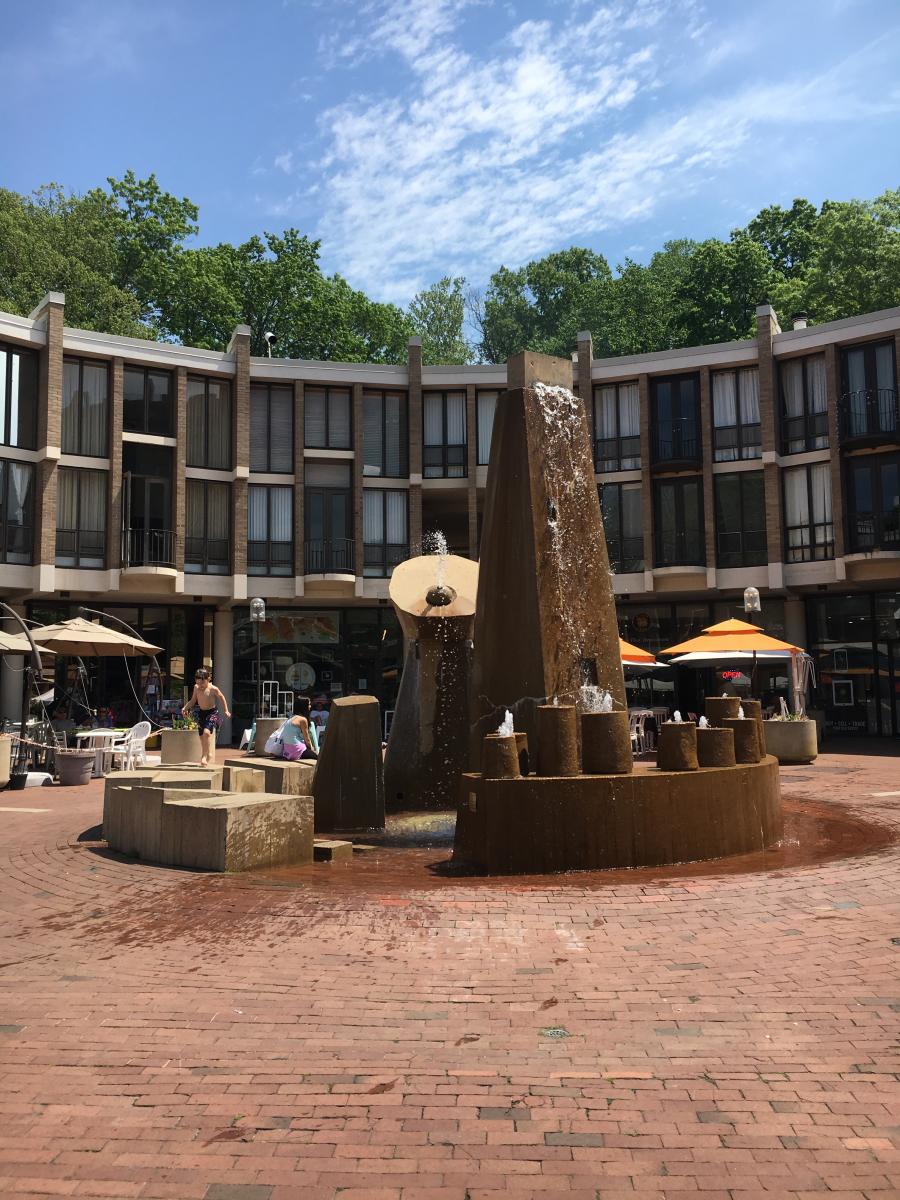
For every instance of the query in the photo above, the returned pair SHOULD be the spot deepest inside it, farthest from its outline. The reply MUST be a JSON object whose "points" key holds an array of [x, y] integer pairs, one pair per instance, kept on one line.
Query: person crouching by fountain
{"points": [[204, 703], [298, 738]]}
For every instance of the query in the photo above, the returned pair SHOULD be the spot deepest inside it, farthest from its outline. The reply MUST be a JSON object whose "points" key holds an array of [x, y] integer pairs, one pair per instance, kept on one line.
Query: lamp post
{"points": [[257, 616], [752, 605]]}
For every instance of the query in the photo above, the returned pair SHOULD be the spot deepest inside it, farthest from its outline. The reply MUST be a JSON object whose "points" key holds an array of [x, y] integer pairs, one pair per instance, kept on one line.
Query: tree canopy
{"points": [[124, 256]]}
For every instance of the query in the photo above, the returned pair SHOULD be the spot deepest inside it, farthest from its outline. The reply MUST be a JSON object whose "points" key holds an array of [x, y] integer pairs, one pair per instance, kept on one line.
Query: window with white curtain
{"points": [[81, 518], [209, 423], [327, 418], [385, 434], [207, 546], [85, 408], [808, 525], [16, 511], [272, 428], [804, 404], [385, 530], [617, 431], [18, 397], [736, 425], [486, 408], [270, 530], [444, 435]]}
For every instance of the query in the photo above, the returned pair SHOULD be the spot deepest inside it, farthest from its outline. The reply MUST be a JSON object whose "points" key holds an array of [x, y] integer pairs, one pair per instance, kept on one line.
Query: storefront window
{"points": [[854, 674]]}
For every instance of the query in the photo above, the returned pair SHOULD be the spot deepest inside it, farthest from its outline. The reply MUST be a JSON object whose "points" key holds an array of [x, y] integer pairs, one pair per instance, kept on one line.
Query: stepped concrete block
{"points": [[243, 779], [236, 832], [282, 778], [199, 776], [120, 820], [329, 850]]}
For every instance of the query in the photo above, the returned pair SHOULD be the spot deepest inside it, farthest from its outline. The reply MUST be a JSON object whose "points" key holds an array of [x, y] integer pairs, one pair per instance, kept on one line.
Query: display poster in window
{"points": [[842, 693], [309, 628]]}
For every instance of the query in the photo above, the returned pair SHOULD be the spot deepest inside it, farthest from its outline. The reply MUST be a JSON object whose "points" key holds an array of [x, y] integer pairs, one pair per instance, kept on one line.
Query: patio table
{"points": [[100, 741]]}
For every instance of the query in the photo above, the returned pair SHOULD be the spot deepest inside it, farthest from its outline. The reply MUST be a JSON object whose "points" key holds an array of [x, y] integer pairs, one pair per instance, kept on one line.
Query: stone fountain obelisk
{"points": [[545, 619], [434, 597]]}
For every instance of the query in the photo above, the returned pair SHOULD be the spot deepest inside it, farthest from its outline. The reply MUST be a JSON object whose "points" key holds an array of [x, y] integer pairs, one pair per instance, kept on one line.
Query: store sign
{"points": [[308, 627], [731, 674]]}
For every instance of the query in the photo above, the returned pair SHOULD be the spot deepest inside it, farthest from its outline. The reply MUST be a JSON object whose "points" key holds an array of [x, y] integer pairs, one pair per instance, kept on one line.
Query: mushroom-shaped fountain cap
{"points": [[433, 585]]}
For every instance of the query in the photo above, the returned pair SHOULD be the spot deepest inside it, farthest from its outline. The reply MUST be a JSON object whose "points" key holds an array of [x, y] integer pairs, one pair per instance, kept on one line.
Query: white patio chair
{"points": [[131, 747]]}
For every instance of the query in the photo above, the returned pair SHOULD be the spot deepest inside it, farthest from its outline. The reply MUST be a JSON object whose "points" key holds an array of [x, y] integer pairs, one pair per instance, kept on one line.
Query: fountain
{"points": [[434, 598], [546, 652]]}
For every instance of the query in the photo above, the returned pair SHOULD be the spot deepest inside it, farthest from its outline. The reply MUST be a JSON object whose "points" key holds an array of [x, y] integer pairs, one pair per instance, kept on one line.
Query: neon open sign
{"points": [[731, 674]]}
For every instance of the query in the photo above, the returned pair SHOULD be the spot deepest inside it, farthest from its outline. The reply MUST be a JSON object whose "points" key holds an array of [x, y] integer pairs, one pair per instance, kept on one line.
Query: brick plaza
{"points": [[379, 1030]]}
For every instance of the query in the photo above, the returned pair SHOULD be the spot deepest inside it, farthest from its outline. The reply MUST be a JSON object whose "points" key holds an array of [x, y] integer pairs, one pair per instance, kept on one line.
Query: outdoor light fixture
{"points": [[257, 615], [270, 339], [751, 600]]}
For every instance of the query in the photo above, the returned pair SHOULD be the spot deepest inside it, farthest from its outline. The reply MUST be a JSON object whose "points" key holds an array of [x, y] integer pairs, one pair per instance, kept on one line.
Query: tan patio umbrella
{"points": [[16, 643], [88, 639]]}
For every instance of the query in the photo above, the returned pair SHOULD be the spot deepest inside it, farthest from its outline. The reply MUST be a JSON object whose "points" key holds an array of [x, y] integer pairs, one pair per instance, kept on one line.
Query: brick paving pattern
{"points": [[377, 1030]]}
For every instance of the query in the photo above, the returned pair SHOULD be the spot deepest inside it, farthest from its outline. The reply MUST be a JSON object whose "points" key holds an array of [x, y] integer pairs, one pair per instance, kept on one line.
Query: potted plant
{"points": [[181, 743], [791, 738]]}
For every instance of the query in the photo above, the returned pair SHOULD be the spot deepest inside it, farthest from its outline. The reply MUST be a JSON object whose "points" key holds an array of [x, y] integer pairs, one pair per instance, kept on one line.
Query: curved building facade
{"points": [[170, 485]]}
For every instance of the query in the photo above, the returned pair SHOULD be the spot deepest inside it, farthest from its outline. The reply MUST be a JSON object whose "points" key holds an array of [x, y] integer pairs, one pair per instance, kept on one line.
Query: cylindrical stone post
{"points": [[606, 743], [715, 747], [677, 749], [557, 740], [500, 756], [746, 739], [522, 750], [717, 708], [753, 708], [265, 727]]}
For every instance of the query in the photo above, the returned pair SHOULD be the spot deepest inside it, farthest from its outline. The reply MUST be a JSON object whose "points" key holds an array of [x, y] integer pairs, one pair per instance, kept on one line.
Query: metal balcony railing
{"points": [[675, 442], [617, 453], [329, 557], [874, 531], [869, 414], [626, 554], [148, 548]]}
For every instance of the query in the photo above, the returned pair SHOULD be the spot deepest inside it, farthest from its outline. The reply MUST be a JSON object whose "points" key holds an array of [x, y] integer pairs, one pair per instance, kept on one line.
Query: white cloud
{"points": [[285, 161]]}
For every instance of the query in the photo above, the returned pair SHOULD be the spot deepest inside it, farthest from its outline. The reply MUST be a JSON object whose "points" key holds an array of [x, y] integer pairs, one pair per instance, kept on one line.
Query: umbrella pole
{"points": [[753, 676]]}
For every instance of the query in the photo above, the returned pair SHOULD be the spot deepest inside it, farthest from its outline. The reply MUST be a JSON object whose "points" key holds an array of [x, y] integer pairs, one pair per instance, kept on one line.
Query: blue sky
{"points": [[419, 138]]}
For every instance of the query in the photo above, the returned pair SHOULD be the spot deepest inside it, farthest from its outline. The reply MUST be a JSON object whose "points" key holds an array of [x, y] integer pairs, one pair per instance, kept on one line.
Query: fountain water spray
{"points": [[703, 724], [595, 699], [505, 728]]}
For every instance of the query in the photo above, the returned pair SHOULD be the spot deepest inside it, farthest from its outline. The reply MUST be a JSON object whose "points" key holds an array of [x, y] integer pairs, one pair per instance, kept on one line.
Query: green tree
{"points": [[788, 236], [437, 315], [724, 283]]}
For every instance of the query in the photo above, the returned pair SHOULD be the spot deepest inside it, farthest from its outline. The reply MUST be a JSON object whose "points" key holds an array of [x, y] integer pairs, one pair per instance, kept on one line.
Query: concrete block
{"points": [[282, 778], [243, 779], [124, 818], [349, 779], [329, 850], [236, 832]]}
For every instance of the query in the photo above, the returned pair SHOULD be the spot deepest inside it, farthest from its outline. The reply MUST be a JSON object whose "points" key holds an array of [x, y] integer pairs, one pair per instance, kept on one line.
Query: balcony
{"points": [[617, 454], [874, 531], [675, 444], [380, 558], [329, 557], [626, 555], [680, 548], [869, 416], [150, 548]]}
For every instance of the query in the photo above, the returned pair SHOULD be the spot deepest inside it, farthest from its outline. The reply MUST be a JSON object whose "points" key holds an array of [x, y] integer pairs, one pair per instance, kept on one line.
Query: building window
{"points": [[272, 428], [678, 523], [207, 548], [486, 409], [617, 431], [740, 519], [385, 532], [385, 435], [869, 405], [16, 511], [444, 443], [873, 519], [147, 401], [804, 416], [736, 429], [620, 504], [328, 514], [85, 408], [209, 423], [675, 419], [808, 526], [327, 422], [18, 397], [270, 530], [81, 518]]}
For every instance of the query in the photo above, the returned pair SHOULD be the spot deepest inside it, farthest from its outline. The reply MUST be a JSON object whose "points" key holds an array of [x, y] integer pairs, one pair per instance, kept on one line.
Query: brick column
{"points": [[114, 508], [646, 479], [239, 348], [706, 438], [766, 328], [51, 314], [832, 394], [583, 374], [414, 374], [180, 489], [472, 468], [357, 480], [299, 497]]}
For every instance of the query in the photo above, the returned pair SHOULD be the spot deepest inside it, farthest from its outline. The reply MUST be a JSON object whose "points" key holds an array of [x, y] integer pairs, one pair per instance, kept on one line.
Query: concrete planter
{"points": [[791, 741], [181, 746], [5, 759], [74, 767]]}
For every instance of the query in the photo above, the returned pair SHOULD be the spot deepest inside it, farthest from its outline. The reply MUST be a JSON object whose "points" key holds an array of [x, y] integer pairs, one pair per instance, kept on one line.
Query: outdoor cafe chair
{"points": [[131, 747]]}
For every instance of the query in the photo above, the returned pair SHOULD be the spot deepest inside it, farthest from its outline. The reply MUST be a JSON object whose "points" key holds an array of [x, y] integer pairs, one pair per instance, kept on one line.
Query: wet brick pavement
{"points": [[380, 1030]]}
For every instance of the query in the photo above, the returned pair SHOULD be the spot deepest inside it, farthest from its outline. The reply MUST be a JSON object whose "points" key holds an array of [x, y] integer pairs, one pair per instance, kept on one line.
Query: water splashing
{"points": [[595, 699], [676, 717], [703, 724], [505, 728], [435, 543], [741, 711]]}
